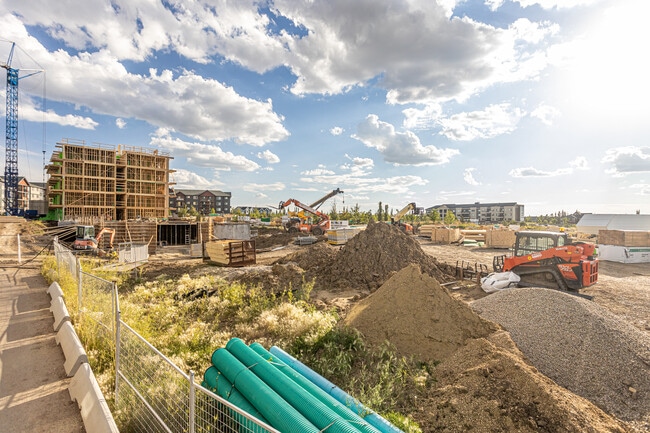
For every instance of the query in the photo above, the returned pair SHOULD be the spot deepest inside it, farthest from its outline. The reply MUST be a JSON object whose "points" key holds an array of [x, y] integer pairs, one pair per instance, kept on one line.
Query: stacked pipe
{"points": [[266, 387]]}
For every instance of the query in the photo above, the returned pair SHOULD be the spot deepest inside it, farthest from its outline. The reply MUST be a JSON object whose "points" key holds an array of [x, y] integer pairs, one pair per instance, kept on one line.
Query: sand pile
{"points": [[418, 316], [580, 345], [484, 382], [367, 260]]}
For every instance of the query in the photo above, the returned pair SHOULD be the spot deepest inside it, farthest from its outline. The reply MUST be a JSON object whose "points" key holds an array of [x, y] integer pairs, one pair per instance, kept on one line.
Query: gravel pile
{"points": [[580, 345]]}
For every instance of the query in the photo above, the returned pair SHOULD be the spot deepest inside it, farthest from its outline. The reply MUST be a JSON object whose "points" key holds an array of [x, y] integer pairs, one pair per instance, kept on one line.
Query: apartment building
{"points": [[204, 201], [482, 213]]}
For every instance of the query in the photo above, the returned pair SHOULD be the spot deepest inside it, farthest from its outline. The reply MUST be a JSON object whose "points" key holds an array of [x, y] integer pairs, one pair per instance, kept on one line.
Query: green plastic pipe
{"points": [[314, 410], [278, 412], [216, 382], [369, 415], [340, 409]]}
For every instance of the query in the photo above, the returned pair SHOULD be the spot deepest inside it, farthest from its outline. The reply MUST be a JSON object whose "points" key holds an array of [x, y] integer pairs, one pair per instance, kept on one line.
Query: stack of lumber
{"points": [[425, 230], [474, 235], [341, 236], [625, 238], [499, 238], [229, 252], [445, 236]]}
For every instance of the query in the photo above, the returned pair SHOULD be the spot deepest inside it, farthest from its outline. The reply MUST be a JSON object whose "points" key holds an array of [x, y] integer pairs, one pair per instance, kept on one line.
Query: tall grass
{"points": [[188, 318]]}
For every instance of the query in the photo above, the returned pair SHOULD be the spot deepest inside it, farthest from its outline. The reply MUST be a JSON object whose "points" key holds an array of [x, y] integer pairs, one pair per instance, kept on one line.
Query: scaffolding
{"points": [[108, 182]]}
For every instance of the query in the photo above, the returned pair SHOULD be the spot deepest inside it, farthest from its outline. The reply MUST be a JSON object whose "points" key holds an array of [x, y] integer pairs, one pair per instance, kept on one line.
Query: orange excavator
{"points": [[316, 225], [86, 239], [550, 259]]}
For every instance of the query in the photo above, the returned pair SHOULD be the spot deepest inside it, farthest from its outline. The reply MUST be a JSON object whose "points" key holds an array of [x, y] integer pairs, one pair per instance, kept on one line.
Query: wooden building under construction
{"points": [[108, 183]]}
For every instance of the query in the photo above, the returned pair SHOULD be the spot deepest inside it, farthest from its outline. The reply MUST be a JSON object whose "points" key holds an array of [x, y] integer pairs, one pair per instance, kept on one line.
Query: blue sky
{"points": [[544, 103]]}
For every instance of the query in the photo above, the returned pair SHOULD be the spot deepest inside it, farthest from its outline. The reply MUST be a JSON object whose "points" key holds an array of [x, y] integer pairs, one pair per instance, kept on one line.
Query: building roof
{"points": [[473, 205], [201, 191], [615, 221]]}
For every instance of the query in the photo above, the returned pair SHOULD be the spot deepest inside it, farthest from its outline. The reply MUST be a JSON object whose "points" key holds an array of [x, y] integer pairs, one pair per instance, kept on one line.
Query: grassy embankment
{"points": [[178, 317]]}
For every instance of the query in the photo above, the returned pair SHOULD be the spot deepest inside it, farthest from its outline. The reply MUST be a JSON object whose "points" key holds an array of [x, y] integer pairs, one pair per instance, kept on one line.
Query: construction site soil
{"points": [[520, 360]]}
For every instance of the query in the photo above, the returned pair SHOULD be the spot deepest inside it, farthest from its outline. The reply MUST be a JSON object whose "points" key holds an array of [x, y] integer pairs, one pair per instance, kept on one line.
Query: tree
{"points": [[385, 212], [450, 218], [380, 211], [435, 216]]}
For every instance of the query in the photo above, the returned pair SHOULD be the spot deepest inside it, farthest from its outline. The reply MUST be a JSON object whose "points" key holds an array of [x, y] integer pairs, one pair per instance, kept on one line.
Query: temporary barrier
{"points": [[74, 352], [54, 290], [60, 311], [95, 413]]}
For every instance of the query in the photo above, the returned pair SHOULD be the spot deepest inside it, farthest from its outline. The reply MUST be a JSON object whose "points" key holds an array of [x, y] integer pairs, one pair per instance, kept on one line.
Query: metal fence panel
{"points": [[151, 393]]}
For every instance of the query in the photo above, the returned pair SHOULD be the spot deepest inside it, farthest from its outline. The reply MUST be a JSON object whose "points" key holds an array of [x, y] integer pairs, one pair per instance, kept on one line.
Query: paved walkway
{"points": [[34, 393]]}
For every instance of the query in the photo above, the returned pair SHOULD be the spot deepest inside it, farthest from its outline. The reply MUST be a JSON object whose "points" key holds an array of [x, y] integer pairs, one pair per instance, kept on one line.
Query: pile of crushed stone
{"points": [[483, 382], [367, 260], [418, 316], [580, 345]]}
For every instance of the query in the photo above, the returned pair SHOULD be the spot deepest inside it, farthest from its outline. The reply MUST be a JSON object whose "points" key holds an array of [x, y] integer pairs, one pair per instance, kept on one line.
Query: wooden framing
{"points": [[106, 182]]}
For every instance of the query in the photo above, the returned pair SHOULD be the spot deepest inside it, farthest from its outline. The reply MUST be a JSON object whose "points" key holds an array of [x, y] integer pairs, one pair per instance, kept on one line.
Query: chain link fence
{"points": [[151, 393]]}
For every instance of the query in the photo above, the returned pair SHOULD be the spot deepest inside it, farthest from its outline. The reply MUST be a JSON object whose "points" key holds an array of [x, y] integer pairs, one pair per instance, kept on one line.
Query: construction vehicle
{"points": [[550, 259], [396, 219], [86, 240], [316, 224]]}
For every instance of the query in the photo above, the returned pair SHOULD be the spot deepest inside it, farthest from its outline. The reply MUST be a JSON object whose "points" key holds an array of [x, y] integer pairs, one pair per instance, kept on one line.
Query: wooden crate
{"points": [[341, 236], [228, 252], [445, 235], [499, 238], [625, 238]]}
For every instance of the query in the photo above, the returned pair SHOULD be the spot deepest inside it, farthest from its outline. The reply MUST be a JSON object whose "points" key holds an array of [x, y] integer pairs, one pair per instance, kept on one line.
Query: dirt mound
{"points": [[486, 387], [484, 382], [367, 260], [580, 345], [272, 279], [418, 316]]}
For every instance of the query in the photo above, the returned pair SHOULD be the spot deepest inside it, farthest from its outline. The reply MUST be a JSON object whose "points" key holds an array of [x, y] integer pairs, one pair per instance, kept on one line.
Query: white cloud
{"points": [[545, 113], [579, 163], [202, 155], [493, 121], [268, 156], [468, 176], [31, 111], [337, 130], [186, 179], [198, 107], [425, 118], [120, 123], [399, 148], [253, 187], [320, 171], [534, 172], [630, 159]]}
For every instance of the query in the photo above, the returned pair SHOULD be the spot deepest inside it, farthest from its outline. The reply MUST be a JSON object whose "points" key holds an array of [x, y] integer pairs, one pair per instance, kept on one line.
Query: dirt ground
{"points": [[483, 382], [623, 288]]}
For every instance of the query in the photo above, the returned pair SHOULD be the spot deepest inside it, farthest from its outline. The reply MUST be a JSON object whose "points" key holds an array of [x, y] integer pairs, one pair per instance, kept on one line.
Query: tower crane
{"points": [[11, 153]]}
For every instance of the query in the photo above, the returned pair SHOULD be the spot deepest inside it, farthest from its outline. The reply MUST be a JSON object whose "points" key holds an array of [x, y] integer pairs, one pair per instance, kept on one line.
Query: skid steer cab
{"points": [[550, 259]]}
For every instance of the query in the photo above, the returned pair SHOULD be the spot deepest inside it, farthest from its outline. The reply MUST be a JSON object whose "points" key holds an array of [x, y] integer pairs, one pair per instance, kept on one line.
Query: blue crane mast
{"points": [[11, 155]]}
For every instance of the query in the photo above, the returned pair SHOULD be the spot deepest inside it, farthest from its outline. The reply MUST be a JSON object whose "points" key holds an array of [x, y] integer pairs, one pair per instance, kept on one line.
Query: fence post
{"points": [[57, 255], [117, 353], [192, 402], [79, 286], [19, 257]]}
